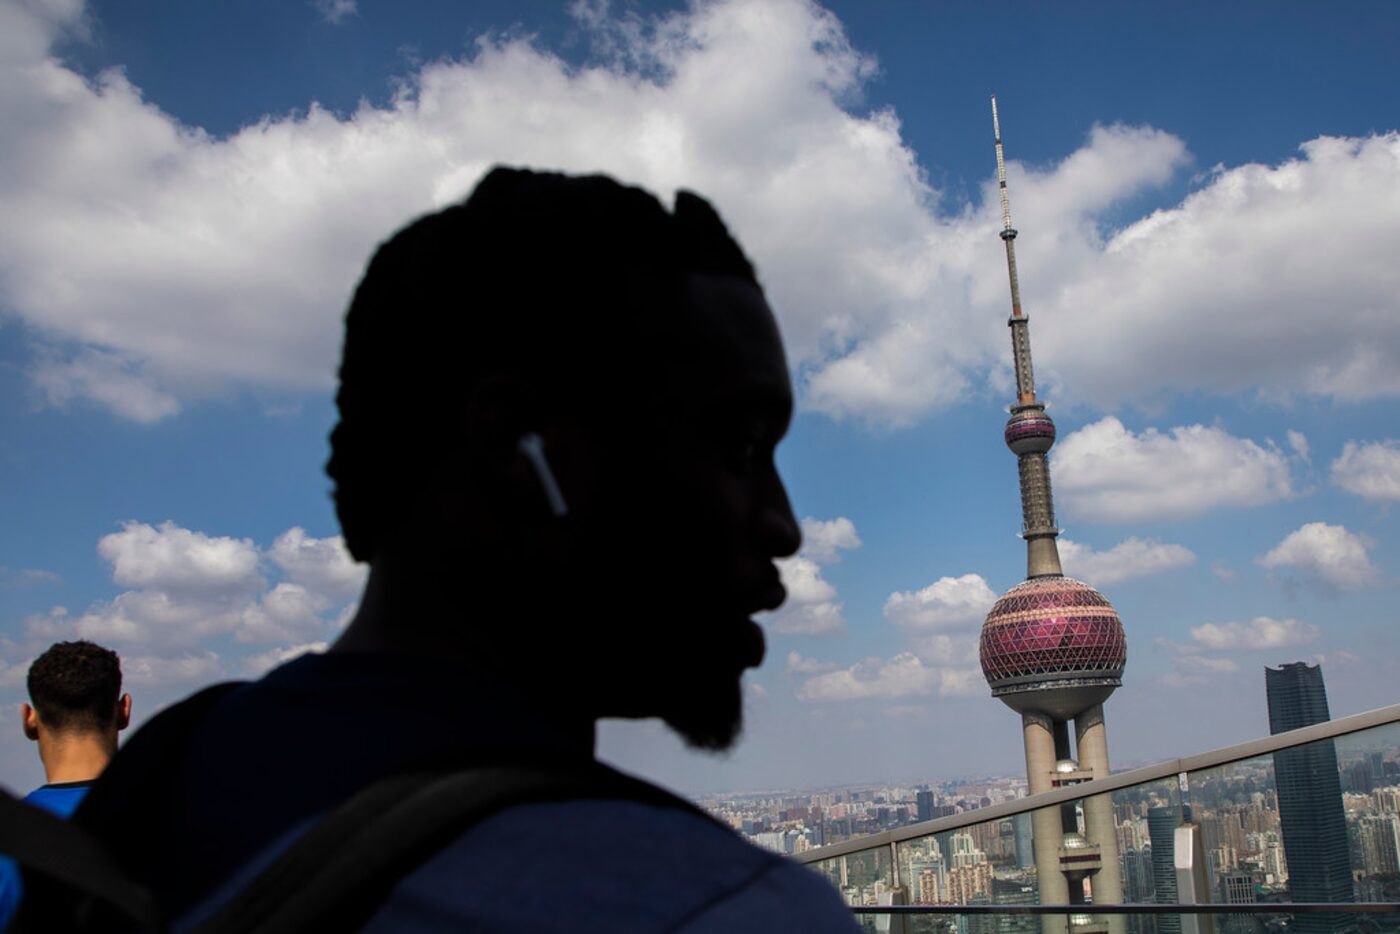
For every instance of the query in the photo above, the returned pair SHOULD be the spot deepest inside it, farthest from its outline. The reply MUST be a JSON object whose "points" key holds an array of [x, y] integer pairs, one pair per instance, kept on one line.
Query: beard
{"points": [[705, 698], [713, 725]]}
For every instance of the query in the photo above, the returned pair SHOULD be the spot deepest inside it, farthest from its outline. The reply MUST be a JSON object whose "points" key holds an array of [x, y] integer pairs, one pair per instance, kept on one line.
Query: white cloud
{"points": [[153, 670], [323, 564], [823, 542], [255, 665], [189, 587], [961, 682], [1371, 470], [901, 676], [177, 560], [120, 221], [940, 648], [1262, 632], [334, 11], [1327, 555], [287, 611], [1298, 442], [264, 231], [1133, 557], [798, 665], [949, 602], [812, 607], [14, 675], [16, 579], [114, 380], [1179, 292], [904, 675], [1105, 473], [1192, 670], [154, 617]]}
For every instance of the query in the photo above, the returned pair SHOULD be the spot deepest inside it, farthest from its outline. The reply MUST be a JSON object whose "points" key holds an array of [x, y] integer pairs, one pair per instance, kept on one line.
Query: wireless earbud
{"points": [[532, 446]]}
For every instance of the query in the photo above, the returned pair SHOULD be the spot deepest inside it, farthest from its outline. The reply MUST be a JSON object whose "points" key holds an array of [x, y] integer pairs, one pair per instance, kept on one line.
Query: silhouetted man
{"points": [[76, 709], [559, 404]]}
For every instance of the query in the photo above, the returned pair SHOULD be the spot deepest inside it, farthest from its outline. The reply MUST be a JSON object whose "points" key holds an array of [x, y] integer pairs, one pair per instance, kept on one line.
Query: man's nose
{"points": [[779, 526]]}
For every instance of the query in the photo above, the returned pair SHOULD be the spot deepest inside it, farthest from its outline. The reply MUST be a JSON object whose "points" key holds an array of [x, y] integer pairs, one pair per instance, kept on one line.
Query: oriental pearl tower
{"points": [[1053, 650]]}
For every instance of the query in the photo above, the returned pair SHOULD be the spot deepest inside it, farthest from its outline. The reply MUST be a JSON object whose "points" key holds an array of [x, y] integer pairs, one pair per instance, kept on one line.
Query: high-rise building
{"points": [[1025, 852], [1053, 650], [1297, 696], [924, 800], [1238, 888], [1378, 839], [1314, 826], [1161, 830]]}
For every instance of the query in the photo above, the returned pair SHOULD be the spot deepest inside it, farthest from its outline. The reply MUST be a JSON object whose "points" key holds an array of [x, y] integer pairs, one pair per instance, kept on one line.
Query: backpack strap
{"points": [[337, 875], [67, 870]]}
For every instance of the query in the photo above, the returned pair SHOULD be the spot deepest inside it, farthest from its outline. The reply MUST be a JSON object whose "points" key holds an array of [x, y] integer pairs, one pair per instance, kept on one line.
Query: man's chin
{"points": [[709, 713], [708, 733], [702, 698]]}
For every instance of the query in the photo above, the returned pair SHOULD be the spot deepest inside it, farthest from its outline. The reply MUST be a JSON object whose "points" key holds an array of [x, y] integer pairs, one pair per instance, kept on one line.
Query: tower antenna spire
{"points": [[1001, 175], [1030, 432]]}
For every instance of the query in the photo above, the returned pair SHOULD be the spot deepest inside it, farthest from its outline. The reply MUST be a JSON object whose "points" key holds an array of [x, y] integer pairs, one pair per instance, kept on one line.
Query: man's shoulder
{"points": [[613, 865]]}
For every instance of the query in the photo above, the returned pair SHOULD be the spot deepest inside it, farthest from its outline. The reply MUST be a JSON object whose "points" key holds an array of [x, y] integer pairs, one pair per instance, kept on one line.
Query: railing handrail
{"points": [[1139, 908], [1169, 768]]}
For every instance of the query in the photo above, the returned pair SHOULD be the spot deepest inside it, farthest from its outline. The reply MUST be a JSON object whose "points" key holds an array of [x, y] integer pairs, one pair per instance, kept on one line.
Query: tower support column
{"points": [[1091, 740], [1038, 731]]}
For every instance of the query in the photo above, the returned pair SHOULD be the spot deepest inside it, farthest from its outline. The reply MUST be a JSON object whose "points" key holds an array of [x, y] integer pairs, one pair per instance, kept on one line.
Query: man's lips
{"points": [[768, 597]]}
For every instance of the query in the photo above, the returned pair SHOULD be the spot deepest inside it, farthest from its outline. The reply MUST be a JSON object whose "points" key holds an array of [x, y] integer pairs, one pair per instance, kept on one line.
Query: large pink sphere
{"points": [[1053, 644]]}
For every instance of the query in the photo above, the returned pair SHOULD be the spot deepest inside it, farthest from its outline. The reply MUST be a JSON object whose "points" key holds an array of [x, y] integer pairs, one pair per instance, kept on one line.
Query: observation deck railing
{"points": [[1255, 861]]}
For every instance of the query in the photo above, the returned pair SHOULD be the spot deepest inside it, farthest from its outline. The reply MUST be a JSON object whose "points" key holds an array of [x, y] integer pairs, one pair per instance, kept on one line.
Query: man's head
{"points": [[75, 691], [638, 345]]}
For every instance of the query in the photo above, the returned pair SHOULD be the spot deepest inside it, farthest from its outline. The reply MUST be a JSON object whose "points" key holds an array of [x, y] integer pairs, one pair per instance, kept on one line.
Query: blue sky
{"points": [[1209, 206]]}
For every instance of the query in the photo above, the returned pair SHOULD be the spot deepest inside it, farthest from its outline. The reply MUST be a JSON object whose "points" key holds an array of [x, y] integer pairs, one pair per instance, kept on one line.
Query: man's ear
{"points": [[30, 719], [497, 411], [124, 712]]}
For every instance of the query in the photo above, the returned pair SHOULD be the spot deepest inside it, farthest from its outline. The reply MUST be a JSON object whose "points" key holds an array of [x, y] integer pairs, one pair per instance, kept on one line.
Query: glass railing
{"points": [[1309, 817], [1369, 918]]}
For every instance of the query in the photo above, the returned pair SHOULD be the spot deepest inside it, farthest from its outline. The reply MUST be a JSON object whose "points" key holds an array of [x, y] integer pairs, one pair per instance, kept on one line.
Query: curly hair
{"points": [[561, 281], [75, 686]]}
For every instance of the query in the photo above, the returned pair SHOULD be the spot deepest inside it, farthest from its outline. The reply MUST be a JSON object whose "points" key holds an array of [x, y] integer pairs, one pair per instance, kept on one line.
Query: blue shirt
{"points": [[60, 798]]}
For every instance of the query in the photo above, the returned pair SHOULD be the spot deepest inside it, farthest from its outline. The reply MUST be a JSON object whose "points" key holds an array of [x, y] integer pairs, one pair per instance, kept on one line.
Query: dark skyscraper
{"points": [[925, 805], [1161, 829], [1309, 797], [1297, 696]]}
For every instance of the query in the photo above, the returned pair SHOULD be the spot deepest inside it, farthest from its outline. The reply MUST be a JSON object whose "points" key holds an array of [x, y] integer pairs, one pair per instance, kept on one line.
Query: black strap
{"points": [[337, 875], [72, 867]]}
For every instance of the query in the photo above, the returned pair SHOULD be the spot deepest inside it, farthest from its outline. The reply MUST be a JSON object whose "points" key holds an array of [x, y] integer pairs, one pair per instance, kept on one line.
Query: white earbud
{"points": [[532, 446]]}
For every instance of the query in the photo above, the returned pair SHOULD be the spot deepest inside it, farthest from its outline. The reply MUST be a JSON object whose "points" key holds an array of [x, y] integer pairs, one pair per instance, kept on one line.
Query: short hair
{"points": [[75, 686], [563, 281]]}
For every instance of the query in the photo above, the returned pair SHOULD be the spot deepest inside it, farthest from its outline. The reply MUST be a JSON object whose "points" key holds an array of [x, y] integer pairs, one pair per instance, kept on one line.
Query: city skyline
{"points": [[190, 193], [1239, 808]]}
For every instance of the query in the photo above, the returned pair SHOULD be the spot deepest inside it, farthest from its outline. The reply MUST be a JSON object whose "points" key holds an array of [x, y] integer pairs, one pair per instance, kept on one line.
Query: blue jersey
{"points": [[60, 798]]}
